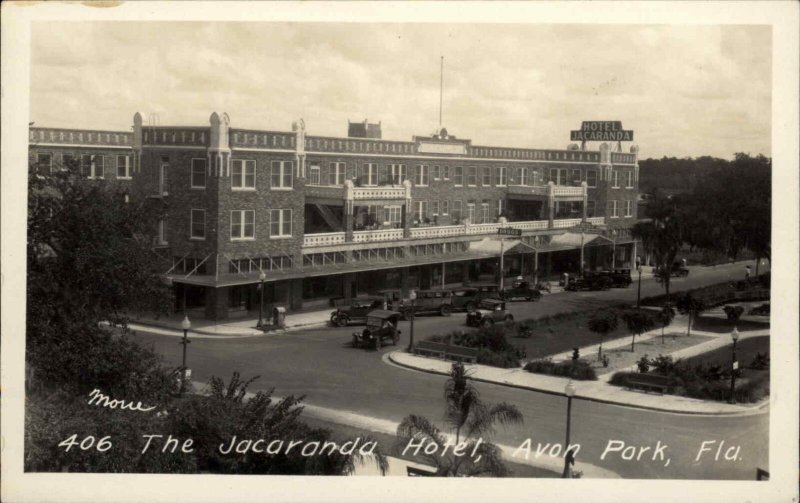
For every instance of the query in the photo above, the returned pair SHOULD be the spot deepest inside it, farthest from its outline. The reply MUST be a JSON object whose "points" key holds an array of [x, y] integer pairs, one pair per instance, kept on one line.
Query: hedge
{"points": [[579, 370]]}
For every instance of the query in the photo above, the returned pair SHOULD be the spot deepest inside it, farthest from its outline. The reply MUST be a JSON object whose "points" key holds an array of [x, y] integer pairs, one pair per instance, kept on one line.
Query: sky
{"points": [[684, 90]]}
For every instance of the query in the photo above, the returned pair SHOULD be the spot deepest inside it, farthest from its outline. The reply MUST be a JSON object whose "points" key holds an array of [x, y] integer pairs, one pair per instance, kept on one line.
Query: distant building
{"points": [[363, 130], [326, 217]]}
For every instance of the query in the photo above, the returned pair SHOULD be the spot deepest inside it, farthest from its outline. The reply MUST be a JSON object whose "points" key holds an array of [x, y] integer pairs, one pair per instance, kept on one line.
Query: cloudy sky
{"points": [[684, 90]]}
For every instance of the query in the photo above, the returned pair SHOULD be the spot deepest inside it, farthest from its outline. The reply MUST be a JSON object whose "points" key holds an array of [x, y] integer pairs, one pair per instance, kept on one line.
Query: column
{"points": [[216, 303], [551, 204], [348, 210], [404, 281], [585, 201]]}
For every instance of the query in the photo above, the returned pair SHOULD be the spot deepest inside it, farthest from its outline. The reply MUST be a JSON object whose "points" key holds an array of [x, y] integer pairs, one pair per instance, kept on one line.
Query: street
{"points": [[320, 365]]}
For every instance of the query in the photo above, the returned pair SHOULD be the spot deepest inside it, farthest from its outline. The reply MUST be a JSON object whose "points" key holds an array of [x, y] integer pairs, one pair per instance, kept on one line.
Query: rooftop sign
{"points": [[601, 131]]}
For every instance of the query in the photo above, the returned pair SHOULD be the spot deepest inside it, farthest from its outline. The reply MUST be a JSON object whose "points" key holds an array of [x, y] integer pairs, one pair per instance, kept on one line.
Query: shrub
{"points": [[504, 359], [663, 365], [760, 361], [733, 312], [578, 370], [492, 343], [643, 364], [762, 310]]}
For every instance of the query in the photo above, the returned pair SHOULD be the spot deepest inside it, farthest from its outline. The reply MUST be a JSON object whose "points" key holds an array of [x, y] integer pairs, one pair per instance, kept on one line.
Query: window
{"points": [[162, 176], [576, 176], [421, 175], [456, 214], [394, 215], [67, 161], [281, 177], [591, 208], [563, 176], [502, 176], [198, 173], [162, 232], [280, 223], [458, 176], [445, 172], [472, 176], [591, 178], [92, 166], [243, 223], [612, 209], [471, 212], [435, 208], [445, 207], [485, 211], [243, 175], [436, 172], [629, 180], [420, 210], [44, 164], [123, 166], [628, 208], [486, 176], [616, 179], [397, 172], [554, 175], [314, 179], [197, 224], [370, 174]]}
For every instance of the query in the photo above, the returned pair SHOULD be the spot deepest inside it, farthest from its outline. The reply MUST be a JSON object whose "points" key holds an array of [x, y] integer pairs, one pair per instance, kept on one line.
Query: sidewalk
{"points": [[600, 390], [245, 327]]}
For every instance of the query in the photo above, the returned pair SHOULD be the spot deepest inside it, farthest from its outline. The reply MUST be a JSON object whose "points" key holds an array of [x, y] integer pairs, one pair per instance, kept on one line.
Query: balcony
{"points": [[379, 193], [545, 191], [566, 223], [324, 239], [377, 235]]}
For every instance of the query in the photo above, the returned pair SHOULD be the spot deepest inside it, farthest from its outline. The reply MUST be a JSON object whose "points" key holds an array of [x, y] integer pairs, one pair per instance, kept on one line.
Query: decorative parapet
{"points": [[80, 137], [174, 136], [323, 239]]}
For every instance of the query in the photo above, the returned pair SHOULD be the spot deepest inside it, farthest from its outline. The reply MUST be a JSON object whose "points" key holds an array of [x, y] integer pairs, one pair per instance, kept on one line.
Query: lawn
{"points": [[622, 358], [746, 350]]}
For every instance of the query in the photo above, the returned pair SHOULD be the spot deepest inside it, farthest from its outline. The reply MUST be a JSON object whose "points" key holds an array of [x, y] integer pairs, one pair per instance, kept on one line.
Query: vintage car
{"points": [[521, 290], [428, 302], [620, 277], [357, 311], [381, 326], [465, 299], [489, 312], [677, 270], [590, 282]]}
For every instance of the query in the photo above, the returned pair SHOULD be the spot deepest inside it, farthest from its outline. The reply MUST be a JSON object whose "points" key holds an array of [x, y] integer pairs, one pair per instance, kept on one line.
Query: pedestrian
{"points": [[683, 262], [747, 272]]}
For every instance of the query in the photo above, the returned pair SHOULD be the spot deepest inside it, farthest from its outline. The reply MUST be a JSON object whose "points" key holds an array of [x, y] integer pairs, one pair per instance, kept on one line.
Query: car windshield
{"points": [[374, 322]]}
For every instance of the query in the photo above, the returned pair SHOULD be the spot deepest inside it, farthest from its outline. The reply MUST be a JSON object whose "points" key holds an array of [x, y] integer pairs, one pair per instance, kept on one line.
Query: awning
{"points": [[573, 240]]}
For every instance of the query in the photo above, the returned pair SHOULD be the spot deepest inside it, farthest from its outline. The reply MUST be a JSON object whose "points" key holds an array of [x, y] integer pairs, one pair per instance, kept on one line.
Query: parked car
{"points": [[429, 301], [521, 290], [620, 278], [489, 312], [393, 297], [357, 311], [381, 326], [465, 299], [590, 282], [678, 270], [486, 291]]}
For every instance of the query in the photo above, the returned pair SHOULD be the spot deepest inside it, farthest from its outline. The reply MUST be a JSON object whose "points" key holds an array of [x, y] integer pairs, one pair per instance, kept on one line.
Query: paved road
{"points": [[320, 365]]}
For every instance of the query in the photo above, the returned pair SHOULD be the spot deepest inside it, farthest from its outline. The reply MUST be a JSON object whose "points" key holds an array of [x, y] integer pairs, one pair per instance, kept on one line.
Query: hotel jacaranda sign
{"points": [[601, 131]]}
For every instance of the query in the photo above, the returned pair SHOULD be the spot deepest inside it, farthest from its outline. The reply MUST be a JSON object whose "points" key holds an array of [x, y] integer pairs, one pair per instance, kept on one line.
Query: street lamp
{"points": [[734, 363], [412, 296], [261, 277], [639, 290], [185, 325], [569, 391]]}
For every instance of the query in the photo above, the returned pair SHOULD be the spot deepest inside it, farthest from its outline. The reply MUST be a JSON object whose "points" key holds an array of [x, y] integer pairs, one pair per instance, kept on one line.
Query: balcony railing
{"points": [[437, 232], [378, 235], [323, 239], [596, 220], [566, 223], [381, 193], [544, 190], [559, 190]]}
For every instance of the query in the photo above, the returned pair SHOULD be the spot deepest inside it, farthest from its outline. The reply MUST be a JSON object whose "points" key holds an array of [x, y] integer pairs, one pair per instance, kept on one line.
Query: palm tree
{"points": [[470, 421], [602, 322]]}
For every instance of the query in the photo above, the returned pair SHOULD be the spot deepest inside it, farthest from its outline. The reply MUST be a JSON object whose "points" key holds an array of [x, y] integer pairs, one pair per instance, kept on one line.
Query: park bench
{"points": [[649, 382], [446, 351]]}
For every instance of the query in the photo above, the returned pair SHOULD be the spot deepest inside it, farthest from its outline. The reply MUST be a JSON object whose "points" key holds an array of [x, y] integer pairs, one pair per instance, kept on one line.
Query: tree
{"points": [[638, 322], [665, 317], [661, 236], [470, 421], [692, 306], [602, 323], [733, 313]]}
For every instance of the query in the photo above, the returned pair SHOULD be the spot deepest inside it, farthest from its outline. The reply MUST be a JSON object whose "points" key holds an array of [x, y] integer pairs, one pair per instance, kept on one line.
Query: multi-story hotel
{"points": [[327, 217]]}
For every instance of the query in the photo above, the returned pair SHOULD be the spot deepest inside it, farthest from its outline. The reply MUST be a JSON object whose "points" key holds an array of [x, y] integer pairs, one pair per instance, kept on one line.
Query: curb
{"points": [[755, 409], [231, 335]]}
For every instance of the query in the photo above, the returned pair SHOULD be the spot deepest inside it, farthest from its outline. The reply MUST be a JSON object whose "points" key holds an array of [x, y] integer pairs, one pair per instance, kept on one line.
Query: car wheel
{"points": [[470, 307], [445, 310], [341, 321]]}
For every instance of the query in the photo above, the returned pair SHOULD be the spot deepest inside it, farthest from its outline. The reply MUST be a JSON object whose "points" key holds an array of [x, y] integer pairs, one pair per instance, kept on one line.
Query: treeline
{"points": [[672, 174]]}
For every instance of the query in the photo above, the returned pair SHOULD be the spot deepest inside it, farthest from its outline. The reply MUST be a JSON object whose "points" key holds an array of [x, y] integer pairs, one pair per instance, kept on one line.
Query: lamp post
{"points": [[569, 391], [261, 277], [412, 296], [185, 325], [639, 289], [734, 364]]}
